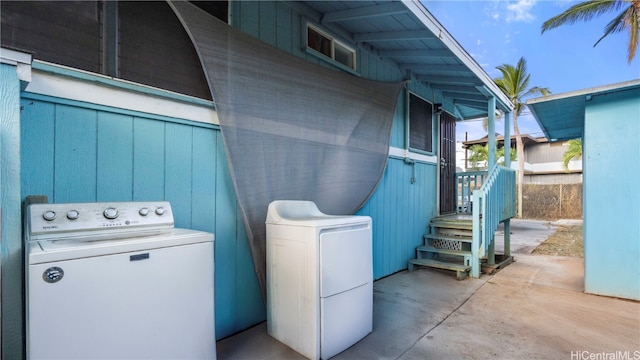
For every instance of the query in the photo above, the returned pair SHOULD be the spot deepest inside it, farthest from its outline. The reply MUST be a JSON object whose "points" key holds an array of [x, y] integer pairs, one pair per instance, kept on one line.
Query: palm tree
{"points": [[515, 84], [480, 155], [574, 151], [627, 20]]}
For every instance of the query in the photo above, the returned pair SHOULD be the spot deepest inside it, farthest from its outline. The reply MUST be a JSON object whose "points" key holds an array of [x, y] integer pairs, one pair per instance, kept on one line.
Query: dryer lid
{"points": [[306, 213]]}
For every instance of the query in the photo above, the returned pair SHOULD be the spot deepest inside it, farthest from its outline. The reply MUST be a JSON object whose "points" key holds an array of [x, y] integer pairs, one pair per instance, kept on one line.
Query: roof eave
{"points": [[502, 101]]}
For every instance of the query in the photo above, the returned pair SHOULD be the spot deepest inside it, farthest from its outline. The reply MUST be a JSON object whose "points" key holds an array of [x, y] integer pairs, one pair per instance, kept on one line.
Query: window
{"points": [[420, 124], [139, 41], [328, 46]]}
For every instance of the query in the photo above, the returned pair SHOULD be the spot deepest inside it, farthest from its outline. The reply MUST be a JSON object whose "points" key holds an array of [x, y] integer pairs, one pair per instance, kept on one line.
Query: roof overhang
{"points": [[405, 33], [561, 116]]}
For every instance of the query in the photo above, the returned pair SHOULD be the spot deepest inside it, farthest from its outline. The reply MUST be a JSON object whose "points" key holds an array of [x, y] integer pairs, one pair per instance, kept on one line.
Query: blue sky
{"points": [[496, 32]]}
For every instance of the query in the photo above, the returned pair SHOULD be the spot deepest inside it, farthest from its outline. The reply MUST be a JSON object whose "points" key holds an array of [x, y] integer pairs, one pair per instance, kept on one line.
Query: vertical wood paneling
{"points": [[400, 212], [178, 165], [203, 180], [267, 22], [115, 157], [148, 159], [249, 18], [248, 298], [297, 40], [225, 246], [37, 147], [398, 127], [284, 27], [75, 154]]}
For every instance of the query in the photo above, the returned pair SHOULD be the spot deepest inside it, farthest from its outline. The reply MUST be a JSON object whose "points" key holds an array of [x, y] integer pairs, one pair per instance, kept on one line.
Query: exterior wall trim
{"points": [[22, 62], [63, 82], [399, 153]]}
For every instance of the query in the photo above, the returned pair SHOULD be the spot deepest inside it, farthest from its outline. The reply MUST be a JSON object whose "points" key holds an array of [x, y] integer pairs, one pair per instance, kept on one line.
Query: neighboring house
{"points": [[109, 101], [542, 160], [607, 118], [550, 191]]}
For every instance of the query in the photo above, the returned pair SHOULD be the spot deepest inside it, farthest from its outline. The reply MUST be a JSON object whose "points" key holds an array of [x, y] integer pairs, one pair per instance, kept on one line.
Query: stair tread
{"points": [[443, 251], [448, 237], [440, 264], [452, 225]]}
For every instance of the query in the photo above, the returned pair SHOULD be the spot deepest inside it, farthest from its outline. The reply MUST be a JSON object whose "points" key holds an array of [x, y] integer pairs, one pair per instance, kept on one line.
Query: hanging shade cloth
{"points": [[293, 130]]}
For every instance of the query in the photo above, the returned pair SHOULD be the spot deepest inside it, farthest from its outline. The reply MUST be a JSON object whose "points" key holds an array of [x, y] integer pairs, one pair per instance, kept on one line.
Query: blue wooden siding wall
{"points": [[400, 210], [611, 170], [75, 152]]}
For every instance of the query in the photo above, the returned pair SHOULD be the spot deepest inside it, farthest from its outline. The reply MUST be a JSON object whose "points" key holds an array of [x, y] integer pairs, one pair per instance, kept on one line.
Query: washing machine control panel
{"points": [[49, 219]]}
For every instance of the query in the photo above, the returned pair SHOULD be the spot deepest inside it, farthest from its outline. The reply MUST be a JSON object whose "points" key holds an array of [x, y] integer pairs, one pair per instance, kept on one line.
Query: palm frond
{"points": [[616, 25], [574, 151], [583, 11], [537, 90], [633, 20]]}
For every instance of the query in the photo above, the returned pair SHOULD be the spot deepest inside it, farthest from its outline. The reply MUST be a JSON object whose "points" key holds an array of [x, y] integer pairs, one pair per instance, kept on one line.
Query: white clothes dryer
{"points": [[319, 278]]}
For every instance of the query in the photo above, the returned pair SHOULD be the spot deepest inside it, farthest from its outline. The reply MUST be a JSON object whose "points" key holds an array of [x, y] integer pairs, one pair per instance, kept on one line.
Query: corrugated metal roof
{"points": [[404, 32], [561, 116]]}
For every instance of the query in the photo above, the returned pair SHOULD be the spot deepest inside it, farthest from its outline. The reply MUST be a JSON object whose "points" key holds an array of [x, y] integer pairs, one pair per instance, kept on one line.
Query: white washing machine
{"points": [[319, 278], [117, 281]]}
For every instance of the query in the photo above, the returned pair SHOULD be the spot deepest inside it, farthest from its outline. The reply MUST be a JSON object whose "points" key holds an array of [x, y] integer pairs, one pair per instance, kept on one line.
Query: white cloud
{"points": [[520, 11], [495, 16]]}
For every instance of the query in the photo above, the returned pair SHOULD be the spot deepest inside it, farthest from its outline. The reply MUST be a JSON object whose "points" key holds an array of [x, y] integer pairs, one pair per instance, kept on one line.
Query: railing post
{"points": [[491, 252], [476, 242], [507, 238]]}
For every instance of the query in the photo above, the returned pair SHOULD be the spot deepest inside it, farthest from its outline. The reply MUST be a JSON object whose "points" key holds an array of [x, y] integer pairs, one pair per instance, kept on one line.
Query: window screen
{"points": [[62, 32], [420, 124], [152, 46], [157, 51]]}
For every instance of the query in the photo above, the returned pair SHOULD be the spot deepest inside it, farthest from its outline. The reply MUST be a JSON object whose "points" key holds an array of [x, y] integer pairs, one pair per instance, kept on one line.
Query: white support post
{"points": [[491, 109], [507, 139], [507, 163], [492, 163]]}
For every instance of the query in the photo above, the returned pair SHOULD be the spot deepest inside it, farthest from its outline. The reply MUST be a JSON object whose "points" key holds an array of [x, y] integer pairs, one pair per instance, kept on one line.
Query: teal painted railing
{"points": [[466, 183], [494, 203]]}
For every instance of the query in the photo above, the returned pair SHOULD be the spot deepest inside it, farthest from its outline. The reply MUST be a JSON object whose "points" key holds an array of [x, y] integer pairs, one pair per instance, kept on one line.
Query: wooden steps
{"points": [[448, 237], [458, 221], [447, 245], [461, 270], [430, 249]]}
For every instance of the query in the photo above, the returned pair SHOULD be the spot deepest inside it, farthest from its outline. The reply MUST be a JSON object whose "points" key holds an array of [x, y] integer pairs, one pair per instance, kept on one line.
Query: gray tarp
{"points": [[293, 130]]}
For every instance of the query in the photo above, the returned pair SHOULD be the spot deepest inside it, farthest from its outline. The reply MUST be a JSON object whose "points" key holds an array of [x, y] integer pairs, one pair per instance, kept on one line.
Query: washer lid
{"points": [[42, 251], [306, 213]]}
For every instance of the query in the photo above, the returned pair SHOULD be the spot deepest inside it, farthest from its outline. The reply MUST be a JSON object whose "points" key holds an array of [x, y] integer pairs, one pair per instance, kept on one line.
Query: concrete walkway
{"points": [[534, 308]]}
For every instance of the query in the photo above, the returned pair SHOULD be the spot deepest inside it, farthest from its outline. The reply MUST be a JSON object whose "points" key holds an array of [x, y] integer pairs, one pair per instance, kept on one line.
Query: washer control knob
{"points": [[160, 211], [49, 215], [72, 214], [143, 211], [110, 213]]}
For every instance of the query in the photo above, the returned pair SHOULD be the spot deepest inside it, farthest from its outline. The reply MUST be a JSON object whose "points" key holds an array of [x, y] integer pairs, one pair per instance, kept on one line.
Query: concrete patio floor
{"points": [[534, 308]]}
